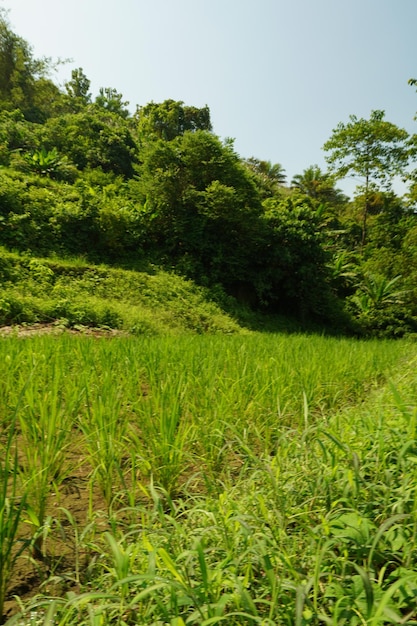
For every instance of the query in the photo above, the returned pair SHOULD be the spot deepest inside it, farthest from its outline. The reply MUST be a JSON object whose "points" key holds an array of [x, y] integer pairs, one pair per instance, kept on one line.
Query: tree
{"points": [[92, 138], [23, 79], [78, 87], [16, 134], [268, 177], [170, 119], [412, 195], [112, 101], [374, 150], [318, 186], [294, 277], [201, 207]]}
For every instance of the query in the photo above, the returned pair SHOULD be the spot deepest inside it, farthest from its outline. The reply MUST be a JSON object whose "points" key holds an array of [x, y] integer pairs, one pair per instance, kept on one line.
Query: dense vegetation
{"points": [[82, 176], [73, 294]]}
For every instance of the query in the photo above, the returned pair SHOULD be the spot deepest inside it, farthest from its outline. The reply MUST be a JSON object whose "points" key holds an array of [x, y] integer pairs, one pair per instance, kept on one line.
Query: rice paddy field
{"points": [[199, 480]]}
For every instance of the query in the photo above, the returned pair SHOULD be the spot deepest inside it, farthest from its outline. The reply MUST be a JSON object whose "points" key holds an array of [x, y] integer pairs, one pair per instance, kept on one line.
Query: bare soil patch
{"points": [[56, 570], [27, 330]]}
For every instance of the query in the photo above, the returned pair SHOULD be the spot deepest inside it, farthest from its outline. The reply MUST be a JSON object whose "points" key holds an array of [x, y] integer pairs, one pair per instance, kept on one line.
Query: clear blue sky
{"points": [[278, 75]]}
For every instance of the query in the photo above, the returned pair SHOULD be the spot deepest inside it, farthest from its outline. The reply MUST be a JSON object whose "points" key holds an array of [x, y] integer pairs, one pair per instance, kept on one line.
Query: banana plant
{"points": [[382, 291], [44, 162]]}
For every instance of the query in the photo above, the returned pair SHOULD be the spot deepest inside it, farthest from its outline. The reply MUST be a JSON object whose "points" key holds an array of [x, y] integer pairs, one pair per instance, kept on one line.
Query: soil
{"points": [[75, 503], [54, 569], [27, 330]]}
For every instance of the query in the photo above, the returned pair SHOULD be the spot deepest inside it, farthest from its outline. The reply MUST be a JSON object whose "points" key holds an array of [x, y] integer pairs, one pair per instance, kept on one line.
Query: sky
{"points": [[277, 75]]}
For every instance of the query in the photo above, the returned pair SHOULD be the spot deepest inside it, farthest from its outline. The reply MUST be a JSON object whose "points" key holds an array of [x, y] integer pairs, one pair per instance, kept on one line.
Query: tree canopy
{"points": [[170, 118], [24, 82], [374, 150], [318, 185]]}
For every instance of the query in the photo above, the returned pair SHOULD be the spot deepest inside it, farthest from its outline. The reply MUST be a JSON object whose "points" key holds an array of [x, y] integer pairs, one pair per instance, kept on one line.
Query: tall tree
{"points": [[374, 150], [92, 138], [294, 275], [201, 206], [112, 101], [412, 196], [22, 77], [170, 119], [78, 88]]}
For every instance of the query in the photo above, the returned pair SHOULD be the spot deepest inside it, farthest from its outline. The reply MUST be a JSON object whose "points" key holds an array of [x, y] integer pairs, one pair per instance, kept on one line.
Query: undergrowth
{"points": [[71, 293]]}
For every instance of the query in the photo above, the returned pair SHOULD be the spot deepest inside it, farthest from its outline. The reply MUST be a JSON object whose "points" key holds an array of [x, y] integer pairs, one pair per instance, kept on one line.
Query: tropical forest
{"points": [[207, 370]]}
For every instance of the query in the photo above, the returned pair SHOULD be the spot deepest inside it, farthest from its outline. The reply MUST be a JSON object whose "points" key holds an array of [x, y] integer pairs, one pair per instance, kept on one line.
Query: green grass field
{"points": [[244, 479]]}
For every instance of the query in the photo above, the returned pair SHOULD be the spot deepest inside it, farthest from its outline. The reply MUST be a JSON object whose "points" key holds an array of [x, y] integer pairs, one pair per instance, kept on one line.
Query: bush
{"points": [[15, 309], [393, 321]]}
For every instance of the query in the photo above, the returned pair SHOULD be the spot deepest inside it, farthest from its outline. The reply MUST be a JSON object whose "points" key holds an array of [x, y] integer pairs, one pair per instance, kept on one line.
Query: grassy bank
{"points": [[73, 293]]}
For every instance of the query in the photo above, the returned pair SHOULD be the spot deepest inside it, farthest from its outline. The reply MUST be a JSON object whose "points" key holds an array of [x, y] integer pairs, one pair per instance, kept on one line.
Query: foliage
{"points": [[15, 135], [47, 163], [23, 79], [12, 503], [80, 176], [380, 304], [94, 138], [200, 206], [147, 303], [319, 186], [170, 119], [268, 177], [111, 100], [297, 280], [375, 150], [78, 89]]}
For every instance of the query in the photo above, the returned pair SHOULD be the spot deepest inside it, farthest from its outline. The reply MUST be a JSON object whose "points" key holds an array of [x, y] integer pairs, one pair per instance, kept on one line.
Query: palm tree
{"points": [[269, 176], [318, 185]]}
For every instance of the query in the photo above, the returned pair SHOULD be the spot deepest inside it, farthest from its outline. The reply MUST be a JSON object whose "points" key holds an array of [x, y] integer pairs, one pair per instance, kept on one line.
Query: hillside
{"points": [[75, 294]]}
